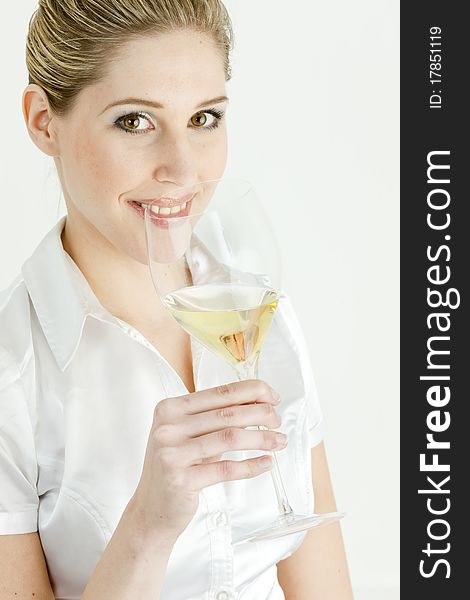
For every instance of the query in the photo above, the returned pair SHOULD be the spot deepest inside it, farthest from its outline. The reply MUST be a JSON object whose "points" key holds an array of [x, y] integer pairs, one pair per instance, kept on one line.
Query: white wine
{"points": [[229, 318]]}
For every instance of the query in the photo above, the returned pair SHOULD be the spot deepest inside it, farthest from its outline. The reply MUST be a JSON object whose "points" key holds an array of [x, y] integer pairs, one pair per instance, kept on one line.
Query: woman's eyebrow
{"points": [[216, 100]]}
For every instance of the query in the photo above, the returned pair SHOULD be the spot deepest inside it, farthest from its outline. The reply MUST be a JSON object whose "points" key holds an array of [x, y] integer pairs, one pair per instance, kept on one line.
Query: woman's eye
{"points": [[206, 120], [132, 123]]}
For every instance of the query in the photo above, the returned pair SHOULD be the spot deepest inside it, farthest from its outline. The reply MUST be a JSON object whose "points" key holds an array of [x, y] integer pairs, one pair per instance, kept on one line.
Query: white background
{"points": [[314, 123]]}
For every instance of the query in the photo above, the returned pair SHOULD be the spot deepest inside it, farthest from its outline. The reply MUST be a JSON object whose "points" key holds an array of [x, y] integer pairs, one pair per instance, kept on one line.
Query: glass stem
{"points": [[249, 370]]}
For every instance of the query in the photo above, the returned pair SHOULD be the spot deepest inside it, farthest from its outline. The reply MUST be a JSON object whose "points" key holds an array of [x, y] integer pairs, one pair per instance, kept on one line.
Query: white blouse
{"points": [[77, 396]]}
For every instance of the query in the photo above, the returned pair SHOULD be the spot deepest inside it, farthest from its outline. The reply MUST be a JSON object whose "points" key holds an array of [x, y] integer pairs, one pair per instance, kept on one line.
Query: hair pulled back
{"points": [[70, 43]]}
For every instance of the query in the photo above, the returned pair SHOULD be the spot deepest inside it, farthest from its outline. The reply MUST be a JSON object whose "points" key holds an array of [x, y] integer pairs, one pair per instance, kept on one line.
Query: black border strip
{"points": [[434, 257]]}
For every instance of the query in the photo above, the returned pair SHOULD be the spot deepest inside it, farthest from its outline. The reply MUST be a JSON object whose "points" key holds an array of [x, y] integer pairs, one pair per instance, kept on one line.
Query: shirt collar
{"points": [[61, 295]]}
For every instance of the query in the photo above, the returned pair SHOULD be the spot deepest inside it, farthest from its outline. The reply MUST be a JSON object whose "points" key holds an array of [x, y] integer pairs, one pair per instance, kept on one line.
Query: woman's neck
{"points": [[122, 285]]}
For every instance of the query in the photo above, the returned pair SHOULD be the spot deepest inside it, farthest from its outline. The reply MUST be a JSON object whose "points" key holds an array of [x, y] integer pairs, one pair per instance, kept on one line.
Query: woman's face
{"points": [[156, 118]]}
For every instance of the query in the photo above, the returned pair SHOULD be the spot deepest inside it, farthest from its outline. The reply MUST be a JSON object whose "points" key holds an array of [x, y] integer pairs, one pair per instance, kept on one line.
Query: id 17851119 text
{"points": [[435, 67]]}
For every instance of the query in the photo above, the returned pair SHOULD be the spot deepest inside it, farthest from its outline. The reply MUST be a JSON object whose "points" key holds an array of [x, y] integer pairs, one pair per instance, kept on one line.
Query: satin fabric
{"points": [[78, 388]]}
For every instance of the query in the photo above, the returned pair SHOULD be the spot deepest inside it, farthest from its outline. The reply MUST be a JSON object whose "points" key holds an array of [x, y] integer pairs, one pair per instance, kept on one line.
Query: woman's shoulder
{"points": [[15, 330]]}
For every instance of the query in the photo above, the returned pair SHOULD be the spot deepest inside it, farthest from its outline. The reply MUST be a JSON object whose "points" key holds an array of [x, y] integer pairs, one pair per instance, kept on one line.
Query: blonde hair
{"points": [[71, 42]]}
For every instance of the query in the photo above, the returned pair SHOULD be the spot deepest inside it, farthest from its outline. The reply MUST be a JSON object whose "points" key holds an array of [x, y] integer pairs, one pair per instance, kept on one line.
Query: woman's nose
{"points": [[176, 160]]}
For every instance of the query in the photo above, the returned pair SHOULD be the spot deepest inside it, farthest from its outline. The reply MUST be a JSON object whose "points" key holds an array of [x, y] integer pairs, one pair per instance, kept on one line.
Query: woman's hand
{"points": [[189, 434]]}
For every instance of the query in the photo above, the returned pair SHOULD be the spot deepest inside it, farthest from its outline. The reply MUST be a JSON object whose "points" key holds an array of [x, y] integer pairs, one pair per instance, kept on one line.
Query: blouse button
{"points": [[219, 519], [223, 595]]}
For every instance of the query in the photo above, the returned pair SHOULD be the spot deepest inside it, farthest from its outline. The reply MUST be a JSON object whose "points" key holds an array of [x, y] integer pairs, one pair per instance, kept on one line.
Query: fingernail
{"points": [[266, 462], [281, 438]]}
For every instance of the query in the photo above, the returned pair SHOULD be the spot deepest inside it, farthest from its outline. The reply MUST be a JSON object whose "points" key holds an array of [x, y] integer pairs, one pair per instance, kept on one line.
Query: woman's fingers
{"points": [[187, 441], [227, 440], [228, 470], [248, 415], [236, 393]]}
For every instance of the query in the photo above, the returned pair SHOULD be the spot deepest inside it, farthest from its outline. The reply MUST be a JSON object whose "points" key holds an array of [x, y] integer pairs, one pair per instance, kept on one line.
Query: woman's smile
{"points": [[163, 211]]}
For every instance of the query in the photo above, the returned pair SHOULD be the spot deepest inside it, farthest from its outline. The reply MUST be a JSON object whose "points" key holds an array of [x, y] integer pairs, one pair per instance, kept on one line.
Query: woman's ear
{"points": [[39, 119]]}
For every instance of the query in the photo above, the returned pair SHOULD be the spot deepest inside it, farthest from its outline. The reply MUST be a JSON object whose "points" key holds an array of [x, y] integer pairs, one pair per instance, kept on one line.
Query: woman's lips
{"points": [[170, 202], [162, 220]]}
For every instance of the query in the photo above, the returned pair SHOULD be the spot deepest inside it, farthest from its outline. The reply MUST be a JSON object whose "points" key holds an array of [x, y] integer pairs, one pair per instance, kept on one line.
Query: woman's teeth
{"points": [[165, 210]]}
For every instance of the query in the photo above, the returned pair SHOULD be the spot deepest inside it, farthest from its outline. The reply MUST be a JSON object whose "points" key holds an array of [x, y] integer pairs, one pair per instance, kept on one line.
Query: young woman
{"points": [[113, 483]]}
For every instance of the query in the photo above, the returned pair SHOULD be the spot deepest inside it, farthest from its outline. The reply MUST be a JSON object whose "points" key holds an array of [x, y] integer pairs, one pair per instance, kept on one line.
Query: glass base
{"points": [[286, 525]]}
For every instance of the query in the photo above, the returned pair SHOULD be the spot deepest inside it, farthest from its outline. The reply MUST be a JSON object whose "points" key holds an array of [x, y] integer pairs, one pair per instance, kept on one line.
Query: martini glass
{"points": [[215, 266]]}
